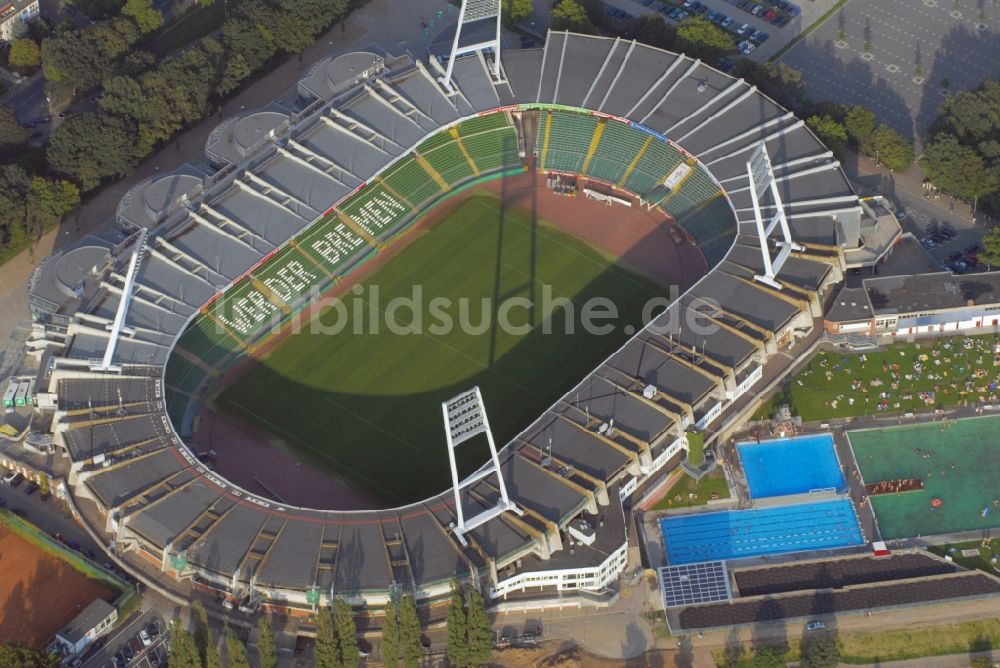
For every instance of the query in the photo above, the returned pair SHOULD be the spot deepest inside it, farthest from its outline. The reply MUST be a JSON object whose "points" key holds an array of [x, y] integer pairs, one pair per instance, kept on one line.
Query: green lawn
{"points": [[892, 381], [702, 490], [880, 646], [367, 406], [988, 551]]}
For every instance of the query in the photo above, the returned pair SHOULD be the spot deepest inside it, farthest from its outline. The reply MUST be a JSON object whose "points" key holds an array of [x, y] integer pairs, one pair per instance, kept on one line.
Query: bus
{"points": [[8, 396], [29, 398], [22, 392]]}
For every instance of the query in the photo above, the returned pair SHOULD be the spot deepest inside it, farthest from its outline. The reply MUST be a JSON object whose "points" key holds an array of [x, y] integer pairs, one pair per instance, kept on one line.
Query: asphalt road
{"points": [[47, 516], [913, 48]]}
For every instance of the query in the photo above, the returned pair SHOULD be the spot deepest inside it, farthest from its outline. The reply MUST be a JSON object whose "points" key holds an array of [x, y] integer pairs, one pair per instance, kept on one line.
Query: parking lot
{"points": [[900, 58], [125, 646], [775, 22]]}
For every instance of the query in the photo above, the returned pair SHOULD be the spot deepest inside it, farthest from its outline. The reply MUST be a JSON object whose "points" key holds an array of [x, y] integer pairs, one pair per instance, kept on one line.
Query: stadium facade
{"points": [[295, 199]]}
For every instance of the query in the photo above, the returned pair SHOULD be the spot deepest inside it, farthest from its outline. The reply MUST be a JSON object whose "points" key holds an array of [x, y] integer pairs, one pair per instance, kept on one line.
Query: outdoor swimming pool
{"points": [[791, 466], [737, 534]]}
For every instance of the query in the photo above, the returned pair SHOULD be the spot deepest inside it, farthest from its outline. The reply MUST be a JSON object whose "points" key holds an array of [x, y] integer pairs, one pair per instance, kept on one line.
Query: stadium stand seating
{"points": [[656, 164], [483, 124], [410, 181], [493, 150], [449, 161], [564, 139], [616, 150], [204, 340], [331, 244], [691, 194], [376, 210]]}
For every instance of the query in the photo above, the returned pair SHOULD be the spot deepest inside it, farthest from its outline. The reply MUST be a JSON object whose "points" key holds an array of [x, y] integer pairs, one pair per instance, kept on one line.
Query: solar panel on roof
{"points": [[693, 584]]}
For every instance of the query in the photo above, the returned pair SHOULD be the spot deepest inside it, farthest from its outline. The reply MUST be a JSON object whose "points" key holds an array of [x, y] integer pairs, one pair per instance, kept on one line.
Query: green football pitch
{"points": [[364, 404]]}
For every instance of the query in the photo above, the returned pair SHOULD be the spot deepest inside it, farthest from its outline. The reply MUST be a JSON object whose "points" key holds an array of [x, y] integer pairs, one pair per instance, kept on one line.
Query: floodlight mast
{"points": [[471, 12], [762, 179], [464, 418], [118, 325]]}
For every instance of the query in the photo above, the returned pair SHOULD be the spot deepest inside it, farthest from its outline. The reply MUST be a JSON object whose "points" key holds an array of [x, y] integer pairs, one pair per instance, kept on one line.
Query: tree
{"points": [[212, 656], [202, 634], [11, 131], [183, 649], [780, 82], [14, 655], [326, 654], [651, 29], [91, 147], [389, 646], [410, 632], [819, 651], [958, 168], [480, 630], [24, 55], [860, 125], [570, 15], [991, 248], [457, 624], [147, 17], [830, 132], [891, 148], [515, 11], [347, 633], [770, 656], [266, 651], [236, 651], [700, 38]]}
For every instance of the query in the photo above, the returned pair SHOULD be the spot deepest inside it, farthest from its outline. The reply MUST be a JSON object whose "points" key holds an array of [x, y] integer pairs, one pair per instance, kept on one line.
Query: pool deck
{"points": [[856, 487]]}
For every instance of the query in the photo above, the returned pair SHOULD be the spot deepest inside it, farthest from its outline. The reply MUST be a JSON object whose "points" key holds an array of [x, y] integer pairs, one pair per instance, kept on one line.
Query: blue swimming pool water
{"points": [[791, 466], [736, 534]]}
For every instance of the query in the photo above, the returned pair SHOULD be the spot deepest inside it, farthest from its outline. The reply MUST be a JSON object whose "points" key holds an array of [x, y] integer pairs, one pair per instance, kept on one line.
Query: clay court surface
{"points": [[640, 239], [39, 593]]}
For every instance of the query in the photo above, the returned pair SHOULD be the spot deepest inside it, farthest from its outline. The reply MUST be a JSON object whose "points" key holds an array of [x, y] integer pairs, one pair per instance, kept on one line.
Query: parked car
{"points": [[144, 638], [127, 653], [17, 480], [9, 477], [726, 22], [119, 659], [746, 47], [31, 488], [815, 626]]}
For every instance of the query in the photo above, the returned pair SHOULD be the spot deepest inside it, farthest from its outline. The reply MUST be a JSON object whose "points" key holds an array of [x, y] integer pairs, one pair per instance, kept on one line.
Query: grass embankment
{"points": [[938, 373], [687, 492]]}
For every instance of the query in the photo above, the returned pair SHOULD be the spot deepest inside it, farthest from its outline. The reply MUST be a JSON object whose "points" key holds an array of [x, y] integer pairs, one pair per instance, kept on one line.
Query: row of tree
{"points": [[962, 153], [200, 649], [31, 204], [143, 105], [470, 631], [816, 650], [842, 126]]}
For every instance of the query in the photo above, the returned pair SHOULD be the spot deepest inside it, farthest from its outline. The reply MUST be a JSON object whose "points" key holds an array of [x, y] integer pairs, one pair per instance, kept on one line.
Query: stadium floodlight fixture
{"points": [[474, 11], [118, 326], [465, 418], [762, 181]]}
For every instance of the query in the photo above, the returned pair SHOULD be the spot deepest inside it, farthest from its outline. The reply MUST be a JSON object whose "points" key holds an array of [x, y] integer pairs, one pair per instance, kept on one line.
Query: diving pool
{"points": [[737, 534], [786, 466]]}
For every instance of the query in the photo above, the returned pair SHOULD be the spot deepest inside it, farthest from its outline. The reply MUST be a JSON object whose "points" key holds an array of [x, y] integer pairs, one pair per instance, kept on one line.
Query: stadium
{"points": [[301, 202]]}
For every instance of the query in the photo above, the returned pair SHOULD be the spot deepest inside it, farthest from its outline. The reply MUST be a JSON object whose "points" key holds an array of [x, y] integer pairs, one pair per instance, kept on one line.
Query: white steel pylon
{"points": [[473, 11], [465, 417], [761, 181]]}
